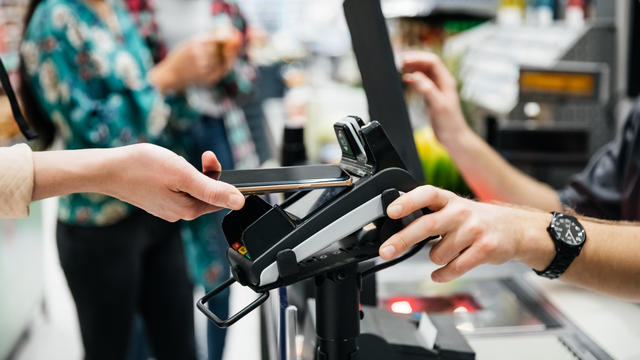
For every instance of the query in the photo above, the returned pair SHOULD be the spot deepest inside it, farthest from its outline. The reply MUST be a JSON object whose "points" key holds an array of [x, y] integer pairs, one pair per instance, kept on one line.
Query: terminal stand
{"points": [[338, 314]]}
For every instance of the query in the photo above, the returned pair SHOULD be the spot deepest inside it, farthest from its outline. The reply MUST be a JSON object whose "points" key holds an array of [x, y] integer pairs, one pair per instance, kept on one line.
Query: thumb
{"points": [[211, 191]]}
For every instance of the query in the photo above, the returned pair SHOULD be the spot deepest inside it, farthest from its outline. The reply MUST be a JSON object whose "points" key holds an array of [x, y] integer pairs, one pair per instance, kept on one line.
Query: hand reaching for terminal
{"points": [[472, 233], [147, 176]]}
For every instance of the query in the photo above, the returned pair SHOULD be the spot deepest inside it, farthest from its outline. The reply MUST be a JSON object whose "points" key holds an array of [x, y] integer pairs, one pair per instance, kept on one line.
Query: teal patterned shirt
{"points": [[90, 77]]}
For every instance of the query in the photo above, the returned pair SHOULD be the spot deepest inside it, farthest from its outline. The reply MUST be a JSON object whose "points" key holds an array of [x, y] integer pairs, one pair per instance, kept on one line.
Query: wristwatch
{"points": [[568, 237]]}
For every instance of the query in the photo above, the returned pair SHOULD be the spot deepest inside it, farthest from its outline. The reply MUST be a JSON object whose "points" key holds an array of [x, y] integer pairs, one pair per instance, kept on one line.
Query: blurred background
{"points": [[545, 82]]}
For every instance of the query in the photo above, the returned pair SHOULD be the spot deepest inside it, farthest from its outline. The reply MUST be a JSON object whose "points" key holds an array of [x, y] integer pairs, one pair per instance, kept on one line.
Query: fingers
{"points": [[438, 223], [181, 206], [195, 208], [207, 42], [216, 193], [466, 261], [450, 246], [431, 65], [425, 86], [424, 196], [210, 162]]}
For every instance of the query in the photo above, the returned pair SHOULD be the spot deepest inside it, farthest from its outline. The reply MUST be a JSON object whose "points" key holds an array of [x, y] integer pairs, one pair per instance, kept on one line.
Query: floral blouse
{"points": [[90, 77], [220, 100]]}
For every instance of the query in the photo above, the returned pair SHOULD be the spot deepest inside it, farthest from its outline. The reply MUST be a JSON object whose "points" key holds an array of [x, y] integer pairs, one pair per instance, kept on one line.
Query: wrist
{"points": [[59, 173], [108, 175], [535, 248], [163, 77]]}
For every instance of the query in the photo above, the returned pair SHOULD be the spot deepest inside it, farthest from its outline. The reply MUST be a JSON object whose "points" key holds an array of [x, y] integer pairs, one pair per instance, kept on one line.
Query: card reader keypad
{"points": [[241, 249]]}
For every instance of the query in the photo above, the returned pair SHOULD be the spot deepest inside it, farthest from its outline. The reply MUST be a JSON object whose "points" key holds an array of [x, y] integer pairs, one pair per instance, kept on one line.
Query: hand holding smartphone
{"points": [[290, 178]]}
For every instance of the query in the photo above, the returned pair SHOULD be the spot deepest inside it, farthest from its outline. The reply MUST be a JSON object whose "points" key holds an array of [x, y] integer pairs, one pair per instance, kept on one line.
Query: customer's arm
{"points": [[148, 176], [16, 181], [487, 173], [478, 233]]}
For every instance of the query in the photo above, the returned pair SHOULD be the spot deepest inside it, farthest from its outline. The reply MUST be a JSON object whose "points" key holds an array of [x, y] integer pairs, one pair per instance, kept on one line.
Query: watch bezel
{"points": [[559, 240], [565, 252]]}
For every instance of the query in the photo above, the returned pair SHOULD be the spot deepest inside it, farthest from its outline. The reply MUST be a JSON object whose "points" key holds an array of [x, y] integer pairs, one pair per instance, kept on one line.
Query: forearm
{"points": [[59, 173], [609, 260], [607, 263], [493, 179], [164, 79]]}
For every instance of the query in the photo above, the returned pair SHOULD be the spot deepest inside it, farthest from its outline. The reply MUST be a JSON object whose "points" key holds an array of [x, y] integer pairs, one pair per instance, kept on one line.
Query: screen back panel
{"points": [[380, 78]]}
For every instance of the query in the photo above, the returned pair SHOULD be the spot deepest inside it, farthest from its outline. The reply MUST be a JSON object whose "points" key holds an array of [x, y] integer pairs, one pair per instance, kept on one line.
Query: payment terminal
{"points": [[324, 236]]}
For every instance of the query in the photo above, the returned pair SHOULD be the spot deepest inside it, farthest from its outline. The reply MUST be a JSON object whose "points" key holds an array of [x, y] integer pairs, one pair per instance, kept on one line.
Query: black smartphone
{"points": [[288, 178]]}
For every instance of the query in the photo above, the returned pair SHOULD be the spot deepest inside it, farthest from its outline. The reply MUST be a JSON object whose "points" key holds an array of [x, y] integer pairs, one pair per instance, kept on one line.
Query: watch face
{"points": [[568, 230]]}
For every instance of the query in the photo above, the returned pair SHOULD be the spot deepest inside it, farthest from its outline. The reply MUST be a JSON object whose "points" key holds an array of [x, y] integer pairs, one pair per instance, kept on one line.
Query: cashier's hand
{"points": [[166, 185], [425, 72], [473, 233]]}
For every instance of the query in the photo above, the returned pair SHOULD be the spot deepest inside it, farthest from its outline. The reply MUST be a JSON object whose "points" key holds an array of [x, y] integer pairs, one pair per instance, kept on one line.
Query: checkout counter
{"points": [[504, 312], [508, 312]]}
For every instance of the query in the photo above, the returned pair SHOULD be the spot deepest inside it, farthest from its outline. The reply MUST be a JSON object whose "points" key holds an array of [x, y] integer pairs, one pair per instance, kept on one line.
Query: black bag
{"points": [[15, 107]]}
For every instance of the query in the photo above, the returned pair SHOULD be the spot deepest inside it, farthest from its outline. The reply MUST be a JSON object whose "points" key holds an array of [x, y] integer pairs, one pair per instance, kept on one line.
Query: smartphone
{"points": [[289, 178]]}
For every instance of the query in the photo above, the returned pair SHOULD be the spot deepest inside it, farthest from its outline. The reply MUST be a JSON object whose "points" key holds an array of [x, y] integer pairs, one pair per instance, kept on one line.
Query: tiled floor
{"points": [[55, 335]]}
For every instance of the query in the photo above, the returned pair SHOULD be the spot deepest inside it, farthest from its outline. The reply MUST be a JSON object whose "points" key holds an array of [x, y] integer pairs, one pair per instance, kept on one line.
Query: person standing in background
{"points": [[88, 76], [220, 127]]}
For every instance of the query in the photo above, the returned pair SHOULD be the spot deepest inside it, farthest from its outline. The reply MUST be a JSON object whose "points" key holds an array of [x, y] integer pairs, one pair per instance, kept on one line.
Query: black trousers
{"points": [[134, 266]]}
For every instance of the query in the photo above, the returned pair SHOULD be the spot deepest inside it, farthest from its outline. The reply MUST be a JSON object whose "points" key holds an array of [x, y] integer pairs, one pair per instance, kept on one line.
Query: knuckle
{"points": [[191, 213], [487, 246], [428, 188], [146, 147], [426, 225], [461, 211], [181, 176], [426, 86], [402, 242], [435, 257], [213, 194], [455, 268], [476, 229], [429, 193]]}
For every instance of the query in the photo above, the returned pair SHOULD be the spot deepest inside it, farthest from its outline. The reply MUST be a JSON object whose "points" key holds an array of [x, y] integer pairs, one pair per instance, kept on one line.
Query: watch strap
{"points": [[564, 255], [558, 265]]}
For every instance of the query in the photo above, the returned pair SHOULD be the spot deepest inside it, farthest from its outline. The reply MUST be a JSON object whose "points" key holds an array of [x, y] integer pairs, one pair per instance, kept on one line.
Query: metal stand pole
{"points": [[338, 314]]}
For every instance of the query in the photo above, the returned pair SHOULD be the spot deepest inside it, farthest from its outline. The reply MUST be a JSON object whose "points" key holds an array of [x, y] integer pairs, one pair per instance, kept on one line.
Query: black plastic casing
{"points": [[270, 234]]}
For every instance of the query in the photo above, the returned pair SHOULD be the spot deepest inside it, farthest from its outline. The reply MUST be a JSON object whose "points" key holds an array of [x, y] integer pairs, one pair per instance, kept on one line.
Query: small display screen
{"points": [[344, 143], [575, 84]]}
